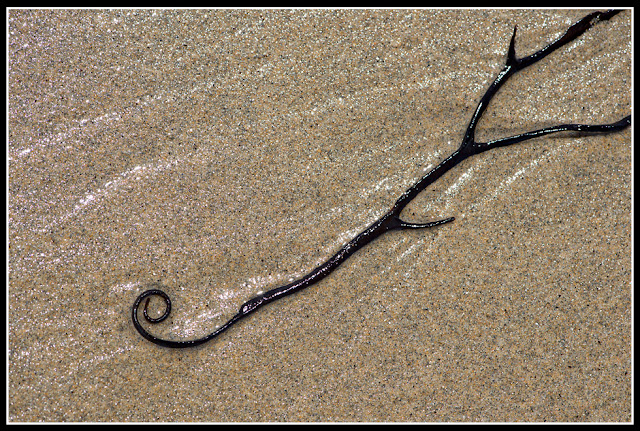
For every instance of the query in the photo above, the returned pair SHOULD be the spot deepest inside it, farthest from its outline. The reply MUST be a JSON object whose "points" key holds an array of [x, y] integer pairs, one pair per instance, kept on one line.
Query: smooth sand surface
{"points": [[223, 153]]}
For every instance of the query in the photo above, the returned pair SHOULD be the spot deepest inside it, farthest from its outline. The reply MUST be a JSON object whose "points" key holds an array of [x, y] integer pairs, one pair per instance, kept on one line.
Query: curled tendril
{"points": [[147, 294], [167, 309]]}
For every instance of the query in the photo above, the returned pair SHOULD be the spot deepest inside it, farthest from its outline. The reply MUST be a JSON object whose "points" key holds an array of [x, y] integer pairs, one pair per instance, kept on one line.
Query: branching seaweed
{"points": [[391, 220]]}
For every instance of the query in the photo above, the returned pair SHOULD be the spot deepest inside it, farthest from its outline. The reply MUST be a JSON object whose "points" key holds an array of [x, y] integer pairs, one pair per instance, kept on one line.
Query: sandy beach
{"points": [[221, 153]]}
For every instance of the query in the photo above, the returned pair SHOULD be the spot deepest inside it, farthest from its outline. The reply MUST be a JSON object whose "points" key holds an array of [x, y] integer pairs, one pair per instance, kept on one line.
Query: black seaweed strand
{"points": [[391, 220]]}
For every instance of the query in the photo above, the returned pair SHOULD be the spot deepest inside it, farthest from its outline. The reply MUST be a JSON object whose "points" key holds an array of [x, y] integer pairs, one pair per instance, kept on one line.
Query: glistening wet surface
{"points": [[223, 153]]}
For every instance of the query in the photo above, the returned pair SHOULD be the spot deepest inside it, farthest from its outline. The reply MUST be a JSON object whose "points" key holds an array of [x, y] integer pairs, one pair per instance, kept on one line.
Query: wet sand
{"points": [[223, 153]]}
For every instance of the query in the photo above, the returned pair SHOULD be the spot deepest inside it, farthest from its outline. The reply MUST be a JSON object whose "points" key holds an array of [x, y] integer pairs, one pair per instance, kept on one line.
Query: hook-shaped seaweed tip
{"points": [[401, 224], [136, 305], [170, 343]]}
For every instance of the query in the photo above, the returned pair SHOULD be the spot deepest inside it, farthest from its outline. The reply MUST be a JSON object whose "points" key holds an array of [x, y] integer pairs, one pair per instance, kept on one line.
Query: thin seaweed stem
{"points": [[391, 220]]}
